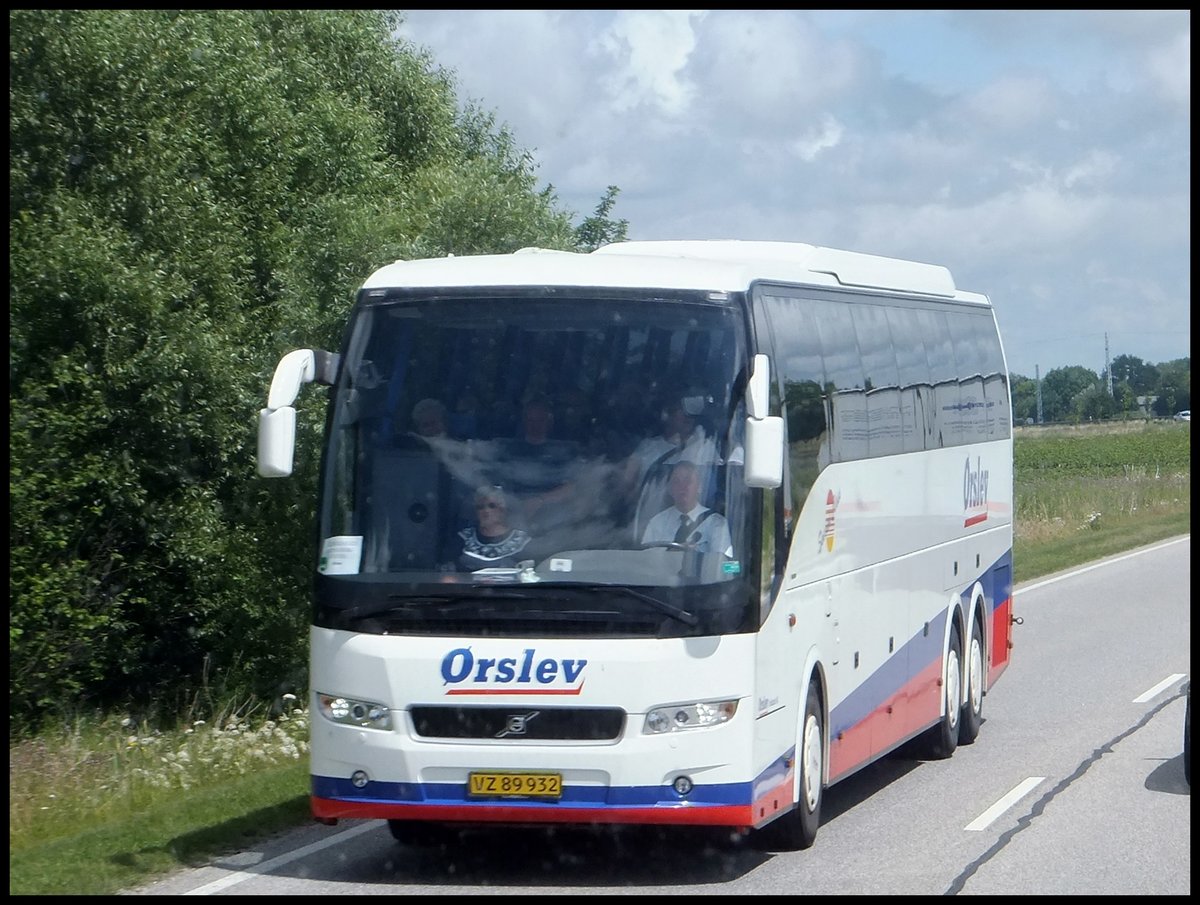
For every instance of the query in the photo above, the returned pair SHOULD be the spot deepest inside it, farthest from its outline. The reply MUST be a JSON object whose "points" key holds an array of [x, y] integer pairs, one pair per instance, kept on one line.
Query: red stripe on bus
{"points": [[682, 814]]}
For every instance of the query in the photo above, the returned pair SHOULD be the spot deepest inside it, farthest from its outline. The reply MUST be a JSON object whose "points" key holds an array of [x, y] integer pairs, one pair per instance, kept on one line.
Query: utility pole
{"points": [[1107, 366], [1037, 378]]}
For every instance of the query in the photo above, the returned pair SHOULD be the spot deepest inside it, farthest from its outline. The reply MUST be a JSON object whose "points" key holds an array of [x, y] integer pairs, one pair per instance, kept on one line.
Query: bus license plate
{"points": [[514, 785]]}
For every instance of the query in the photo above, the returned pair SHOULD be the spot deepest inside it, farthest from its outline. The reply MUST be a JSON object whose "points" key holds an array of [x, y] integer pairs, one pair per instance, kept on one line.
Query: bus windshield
{"points": [[554, 441]]}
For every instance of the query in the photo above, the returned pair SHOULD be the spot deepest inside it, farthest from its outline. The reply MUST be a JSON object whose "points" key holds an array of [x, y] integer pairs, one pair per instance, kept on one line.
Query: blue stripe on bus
{"points": [[734, 793], [914, 655]]}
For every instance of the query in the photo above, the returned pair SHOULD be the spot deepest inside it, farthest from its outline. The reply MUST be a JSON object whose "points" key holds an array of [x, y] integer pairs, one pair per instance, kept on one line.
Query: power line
{"points": [[1117, 334]]}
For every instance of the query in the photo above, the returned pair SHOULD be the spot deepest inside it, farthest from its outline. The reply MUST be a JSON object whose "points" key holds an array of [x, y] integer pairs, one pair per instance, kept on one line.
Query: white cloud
{"points": [[1012, 103], [650, 49], [1170, 67], [1092, 171], [763, 68], [820, 136], [1044, 156], [828, 135]]}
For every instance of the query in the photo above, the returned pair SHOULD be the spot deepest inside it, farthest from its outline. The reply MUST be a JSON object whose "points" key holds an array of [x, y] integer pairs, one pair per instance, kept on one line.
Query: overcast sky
{"points": [[1043, 157]]}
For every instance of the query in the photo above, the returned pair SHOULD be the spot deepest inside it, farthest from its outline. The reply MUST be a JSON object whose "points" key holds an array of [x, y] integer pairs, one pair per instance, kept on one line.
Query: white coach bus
{"points": [[498, 638]]}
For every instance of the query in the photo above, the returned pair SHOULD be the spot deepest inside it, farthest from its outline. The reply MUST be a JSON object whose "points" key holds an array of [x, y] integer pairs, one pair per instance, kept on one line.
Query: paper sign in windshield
{"points": [[341, 555]]}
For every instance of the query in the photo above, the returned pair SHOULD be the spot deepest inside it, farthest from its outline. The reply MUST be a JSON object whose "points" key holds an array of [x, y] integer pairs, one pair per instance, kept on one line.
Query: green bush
{"points": [[193, 194]]}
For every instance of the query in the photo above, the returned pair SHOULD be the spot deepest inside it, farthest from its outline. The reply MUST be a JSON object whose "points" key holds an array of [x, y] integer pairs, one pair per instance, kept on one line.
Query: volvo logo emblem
{"points": [[516, 723]]}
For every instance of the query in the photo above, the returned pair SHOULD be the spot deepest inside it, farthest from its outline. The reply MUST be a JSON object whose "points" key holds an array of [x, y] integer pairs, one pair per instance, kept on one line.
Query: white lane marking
{"points": [[1021, 790], [1099, 565], [1153, 692], [266, 866]]}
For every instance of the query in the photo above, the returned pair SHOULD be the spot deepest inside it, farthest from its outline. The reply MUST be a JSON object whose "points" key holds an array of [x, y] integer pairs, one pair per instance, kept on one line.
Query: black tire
{"points": [[797, 829], [973, 667], [941, 740], [420, 834]]}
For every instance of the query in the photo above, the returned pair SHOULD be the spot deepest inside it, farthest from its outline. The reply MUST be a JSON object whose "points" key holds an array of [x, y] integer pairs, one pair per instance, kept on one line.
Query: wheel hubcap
{"points": [[976, 665], [812, 762], [953, 688]]}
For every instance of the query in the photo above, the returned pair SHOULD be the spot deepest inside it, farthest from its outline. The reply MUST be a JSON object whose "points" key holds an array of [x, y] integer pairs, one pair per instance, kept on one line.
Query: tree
{"points": [[1143, 378], [1175, 387], [1060, 387], [1125, 401], [193, 193], [598, 229], [1093, 404], [1024, 398]]}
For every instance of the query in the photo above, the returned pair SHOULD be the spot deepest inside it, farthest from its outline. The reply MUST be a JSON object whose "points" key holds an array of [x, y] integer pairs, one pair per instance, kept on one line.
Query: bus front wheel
{"points": [[797, 829]]}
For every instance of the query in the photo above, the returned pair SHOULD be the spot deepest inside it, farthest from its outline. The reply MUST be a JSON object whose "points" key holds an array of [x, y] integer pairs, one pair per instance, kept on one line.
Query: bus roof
{"points": [[724, 264]]}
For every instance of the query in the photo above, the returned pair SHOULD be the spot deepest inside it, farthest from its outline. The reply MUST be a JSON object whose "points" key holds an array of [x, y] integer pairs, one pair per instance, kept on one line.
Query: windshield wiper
{"points": [[441, 604], [685, 616], [444, 605]]}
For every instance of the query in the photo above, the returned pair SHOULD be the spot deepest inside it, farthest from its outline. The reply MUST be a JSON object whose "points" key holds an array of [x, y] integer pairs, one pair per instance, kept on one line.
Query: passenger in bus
{"points": [[683, 435], [491, 542], [429, 421], [536, 469], [429, 418], [687, 521], [457, 473]]}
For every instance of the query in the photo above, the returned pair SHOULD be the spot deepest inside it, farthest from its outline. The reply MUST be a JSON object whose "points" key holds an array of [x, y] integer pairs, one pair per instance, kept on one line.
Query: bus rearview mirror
{"points": [[764, 452], [276, 441]]}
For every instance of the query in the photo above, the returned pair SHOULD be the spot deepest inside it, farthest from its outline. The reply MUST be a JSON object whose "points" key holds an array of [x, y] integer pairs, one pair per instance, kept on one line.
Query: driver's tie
{"points": [[685, 528]]}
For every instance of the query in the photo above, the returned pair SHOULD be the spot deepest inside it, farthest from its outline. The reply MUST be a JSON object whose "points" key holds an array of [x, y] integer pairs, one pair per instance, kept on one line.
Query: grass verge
{"points": [[101, 805], [1034, 559], [125, 852]]}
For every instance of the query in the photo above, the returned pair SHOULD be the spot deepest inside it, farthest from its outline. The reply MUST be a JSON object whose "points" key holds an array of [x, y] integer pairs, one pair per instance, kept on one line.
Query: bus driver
{"points": [[688, 522]]}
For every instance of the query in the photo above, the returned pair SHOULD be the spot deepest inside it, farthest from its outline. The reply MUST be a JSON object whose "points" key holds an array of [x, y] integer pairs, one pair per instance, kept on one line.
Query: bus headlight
{"points": [[349, 712], [677, 717]]}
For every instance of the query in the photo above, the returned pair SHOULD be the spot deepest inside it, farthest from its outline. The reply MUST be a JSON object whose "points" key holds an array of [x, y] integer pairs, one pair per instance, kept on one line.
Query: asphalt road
{"points": [[1075, 787]]}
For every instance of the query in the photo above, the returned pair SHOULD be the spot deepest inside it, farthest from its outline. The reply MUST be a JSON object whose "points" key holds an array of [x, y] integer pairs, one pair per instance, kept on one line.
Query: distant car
{"points": [[1185, 415]]}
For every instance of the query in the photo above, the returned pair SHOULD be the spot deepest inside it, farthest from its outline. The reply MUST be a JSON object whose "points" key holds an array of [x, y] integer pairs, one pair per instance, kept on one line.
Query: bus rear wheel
{"points": [[941, 740], [972, 710], [797, 829]]}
